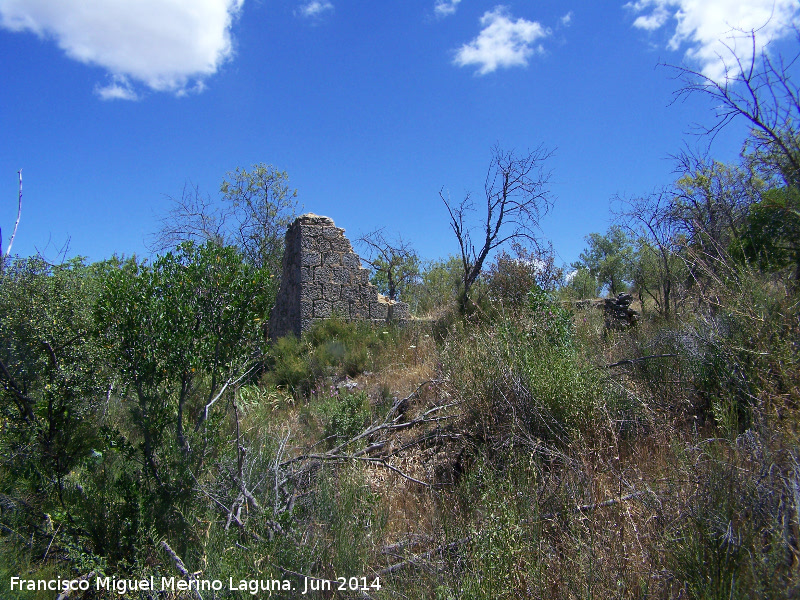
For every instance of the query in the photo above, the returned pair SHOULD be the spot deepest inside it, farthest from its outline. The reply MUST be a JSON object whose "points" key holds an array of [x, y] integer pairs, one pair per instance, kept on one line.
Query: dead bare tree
{"points": [[192, 217], [757, 88], [517, 196], [394, 261], [649, 220]]}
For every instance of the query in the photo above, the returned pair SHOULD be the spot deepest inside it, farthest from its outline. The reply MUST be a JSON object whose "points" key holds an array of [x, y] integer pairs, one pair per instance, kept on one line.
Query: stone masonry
{"points": [[323, 277]]}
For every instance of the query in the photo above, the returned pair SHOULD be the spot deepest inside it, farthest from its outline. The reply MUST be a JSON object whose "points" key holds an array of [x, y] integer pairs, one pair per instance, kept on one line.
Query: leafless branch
{"points": [[233, 381], [16, 224], [392, 257], [759, 90], [517, 196], [192, 217]]}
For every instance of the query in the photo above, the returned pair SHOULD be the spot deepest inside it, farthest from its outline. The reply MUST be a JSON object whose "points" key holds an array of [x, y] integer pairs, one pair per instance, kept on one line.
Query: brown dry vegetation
{"points": [[525, 451], [518, 464]]}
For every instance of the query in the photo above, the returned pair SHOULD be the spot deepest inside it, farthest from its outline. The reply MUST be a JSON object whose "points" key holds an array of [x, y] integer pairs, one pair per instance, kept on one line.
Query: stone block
{"points": [[341, 245], [341, 276], [359, 311], [322, 275], [399, 311], [313, 291], [322, 309], [332, 233], [306, 309], [341, 309], [332, 259], [368, 295], [379, 311], [331, 291], [310, 259], [350, 293], [351, 261]]}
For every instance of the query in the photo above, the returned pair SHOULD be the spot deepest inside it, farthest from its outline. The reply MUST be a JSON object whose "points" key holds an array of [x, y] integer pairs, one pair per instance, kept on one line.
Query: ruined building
{"points": [[323, 277]]}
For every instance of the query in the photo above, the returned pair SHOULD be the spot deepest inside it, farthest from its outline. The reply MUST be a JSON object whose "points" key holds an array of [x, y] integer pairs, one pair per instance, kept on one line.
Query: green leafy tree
{"points": [[52, 385], [608, 258], [771, 237], [263, 207], [659, 265], [182, 330], [253, 212], [655, 274], [709, 205], [438, 285], [582, 284]]}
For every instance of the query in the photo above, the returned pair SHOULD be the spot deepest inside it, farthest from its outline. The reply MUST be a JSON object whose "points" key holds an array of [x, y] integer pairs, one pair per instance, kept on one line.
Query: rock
{"points": [[619, 314]]}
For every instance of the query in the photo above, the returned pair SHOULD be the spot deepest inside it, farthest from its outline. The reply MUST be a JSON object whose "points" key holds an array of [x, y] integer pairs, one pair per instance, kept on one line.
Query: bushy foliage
{"points": [[54, 382], [437, 287], [329, 346], [581, 284], [345, 414], [608, 258], [522, 376]]}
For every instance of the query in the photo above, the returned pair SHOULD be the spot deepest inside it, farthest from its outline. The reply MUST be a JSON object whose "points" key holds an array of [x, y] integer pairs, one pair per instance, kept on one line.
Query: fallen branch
{"points": [[591, 507], [425, 556], [65, 594], [180, 566], [383, 463]]}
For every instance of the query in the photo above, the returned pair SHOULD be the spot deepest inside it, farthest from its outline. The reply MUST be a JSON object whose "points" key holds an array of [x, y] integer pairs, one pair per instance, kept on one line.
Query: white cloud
{"points": [[315, 9], [566, 20], [167, 45], [445, 8], [502, 42], [119, 89], [712, 29]]}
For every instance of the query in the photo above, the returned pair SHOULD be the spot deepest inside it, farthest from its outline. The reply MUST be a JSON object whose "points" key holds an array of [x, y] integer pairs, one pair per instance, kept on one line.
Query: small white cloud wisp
{"points": [[315, 9], [716, 31], [445, 8], [502, 43], [165, 45]]}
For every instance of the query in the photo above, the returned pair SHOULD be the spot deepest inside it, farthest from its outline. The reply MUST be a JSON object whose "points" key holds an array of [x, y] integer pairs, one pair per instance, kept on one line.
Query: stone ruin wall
{"points": [[323, 277]]}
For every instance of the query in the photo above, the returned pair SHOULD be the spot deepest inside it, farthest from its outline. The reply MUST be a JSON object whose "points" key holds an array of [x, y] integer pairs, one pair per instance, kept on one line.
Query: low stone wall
{"points": [[323, 277]]}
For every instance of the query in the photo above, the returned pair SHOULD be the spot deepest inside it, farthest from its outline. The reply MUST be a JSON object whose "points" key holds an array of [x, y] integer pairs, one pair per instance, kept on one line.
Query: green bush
{"points": [[524, 377], [329, 347], [289, 365], [344, 415]]}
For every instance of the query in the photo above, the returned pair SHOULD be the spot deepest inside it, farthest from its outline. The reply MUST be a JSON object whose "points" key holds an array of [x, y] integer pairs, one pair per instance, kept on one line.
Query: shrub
{"points": [[344, 415], [289, 365], [524, 378], [331, 346]]}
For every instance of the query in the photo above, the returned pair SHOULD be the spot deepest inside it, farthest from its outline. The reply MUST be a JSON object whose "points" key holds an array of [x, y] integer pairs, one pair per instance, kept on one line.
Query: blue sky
{"points": [[111, 106]]}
